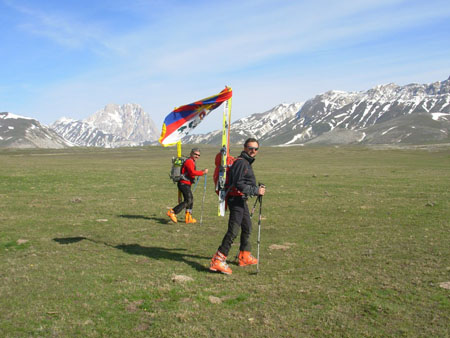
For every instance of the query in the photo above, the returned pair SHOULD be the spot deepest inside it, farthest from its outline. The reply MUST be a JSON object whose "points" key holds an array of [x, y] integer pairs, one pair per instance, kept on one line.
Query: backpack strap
{"points": [[232, 185], [183, 170]]}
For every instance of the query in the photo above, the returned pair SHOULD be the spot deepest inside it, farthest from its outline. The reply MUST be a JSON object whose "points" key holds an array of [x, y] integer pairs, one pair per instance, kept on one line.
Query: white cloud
{"points": [[172, 53], [59, 26]]}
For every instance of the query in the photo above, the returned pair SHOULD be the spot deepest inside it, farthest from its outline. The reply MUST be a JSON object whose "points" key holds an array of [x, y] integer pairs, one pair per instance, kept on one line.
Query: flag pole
{"points": [[179, 148], [225, 150], [179, 155], [229, 127]]}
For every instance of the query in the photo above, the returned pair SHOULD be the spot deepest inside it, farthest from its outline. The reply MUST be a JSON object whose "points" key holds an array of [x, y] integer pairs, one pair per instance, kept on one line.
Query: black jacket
{"points": [[242, 176]]}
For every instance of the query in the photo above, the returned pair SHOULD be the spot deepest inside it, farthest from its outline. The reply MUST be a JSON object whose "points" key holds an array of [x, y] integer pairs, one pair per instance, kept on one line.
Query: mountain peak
{"points": [[114, 125], [64, 120]]}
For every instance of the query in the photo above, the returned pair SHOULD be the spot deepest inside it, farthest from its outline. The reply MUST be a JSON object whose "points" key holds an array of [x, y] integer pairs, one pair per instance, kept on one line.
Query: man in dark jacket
{"points": [[243, 185], [188, 172]]}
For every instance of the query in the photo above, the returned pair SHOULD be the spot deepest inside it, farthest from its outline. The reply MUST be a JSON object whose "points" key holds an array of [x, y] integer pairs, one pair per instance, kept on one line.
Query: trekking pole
{"points": [[254, 207], [259, 231], [195, 185], [203, 199]]}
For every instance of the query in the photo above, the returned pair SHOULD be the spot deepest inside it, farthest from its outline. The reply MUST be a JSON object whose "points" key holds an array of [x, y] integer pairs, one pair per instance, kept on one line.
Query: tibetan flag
{"points": [[182, 120]]}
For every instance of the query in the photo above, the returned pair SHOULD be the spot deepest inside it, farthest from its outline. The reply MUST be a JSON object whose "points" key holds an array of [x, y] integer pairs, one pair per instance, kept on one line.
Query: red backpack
{"points": [[218, 162]]}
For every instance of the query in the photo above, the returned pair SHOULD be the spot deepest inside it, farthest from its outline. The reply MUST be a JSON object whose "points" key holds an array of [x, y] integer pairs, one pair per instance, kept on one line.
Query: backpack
{"points": [[218, 162], [175, 172]]}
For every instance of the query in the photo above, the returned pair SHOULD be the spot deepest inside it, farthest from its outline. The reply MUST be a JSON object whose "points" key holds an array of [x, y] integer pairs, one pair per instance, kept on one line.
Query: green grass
{"points": [[86, 249]]}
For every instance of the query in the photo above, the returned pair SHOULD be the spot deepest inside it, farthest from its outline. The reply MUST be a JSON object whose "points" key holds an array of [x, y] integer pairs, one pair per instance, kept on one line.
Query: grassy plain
{"points": [[354, 242]]}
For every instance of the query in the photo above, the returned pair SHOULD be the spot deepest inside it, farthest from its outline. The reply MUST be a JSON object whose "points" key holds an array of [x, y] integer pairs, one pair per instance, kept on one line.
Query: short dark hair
{"points": [[249, 140], [195, 150]]}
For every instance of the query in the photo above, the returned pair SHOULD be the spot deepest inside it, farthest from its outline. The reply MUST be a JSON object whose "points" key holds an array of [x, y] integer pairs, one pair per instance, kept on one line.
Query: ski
{"points": [[225, 150]]}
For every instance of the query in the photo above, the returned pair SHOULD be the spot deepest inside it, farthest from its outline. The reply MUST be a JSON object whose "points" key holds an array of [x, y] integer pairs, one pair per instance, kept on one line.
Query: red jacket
{"points": [[189, 171]]}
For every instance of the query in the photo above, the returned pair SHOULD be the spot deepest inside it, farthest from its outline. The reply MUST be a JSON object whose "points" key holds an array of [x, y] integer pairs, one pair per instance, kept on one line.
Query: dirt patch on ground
{"points": [[133, 306], [445, 285], [181, 279], [214, 300], [284, 246]]}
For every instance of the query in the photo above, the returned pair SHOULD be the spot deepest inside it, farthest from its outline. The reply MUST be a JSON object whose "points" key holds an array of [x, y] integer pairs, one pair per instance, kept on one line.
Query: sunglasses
{"points": [[253, 148], [196, 154]]}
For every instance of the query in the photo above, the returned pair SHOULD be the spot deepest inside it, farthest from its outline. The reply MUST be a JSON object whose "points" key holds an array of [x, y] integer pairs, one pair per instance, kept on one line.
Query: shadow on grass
{"points": [[69, 240], [158, 253], [162, 253], [158, 219]]}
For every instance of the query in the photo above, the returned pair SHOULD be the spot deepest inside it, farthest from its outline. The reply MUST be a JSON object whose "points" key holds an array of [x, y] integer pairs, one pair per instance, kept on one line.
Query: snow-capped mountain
{"points": [[113, 126], [256, 125], [415, 113], [81, 133], [129, 121], [385, 114], [23, 132]]}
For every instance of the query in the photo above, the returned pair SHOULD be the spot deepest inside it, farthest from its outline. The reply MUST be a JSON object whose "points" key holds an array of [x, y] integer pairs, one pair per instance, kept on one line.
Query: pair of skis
{"points": [[225, 151]]}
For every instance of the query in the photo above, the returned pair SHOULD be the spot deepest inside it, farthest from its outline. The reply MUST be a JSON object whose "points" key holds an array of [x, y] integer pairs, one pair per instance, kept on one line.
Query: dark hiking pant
{"points": [[188, 198], [239, 219]]}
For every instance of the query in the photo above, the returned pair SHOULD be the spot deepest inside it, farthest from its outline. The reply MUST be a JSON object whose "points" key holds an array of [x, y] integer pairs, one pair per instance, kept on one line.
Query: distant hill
{"points": [[24, 132], [385, 114]]}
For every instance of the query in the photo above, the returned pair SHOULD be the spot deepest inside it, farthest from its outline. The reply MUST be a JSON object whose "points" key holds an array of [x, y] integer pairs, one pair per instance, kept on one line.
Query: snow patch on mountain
{"points": [[437, 116], [5, 116]]}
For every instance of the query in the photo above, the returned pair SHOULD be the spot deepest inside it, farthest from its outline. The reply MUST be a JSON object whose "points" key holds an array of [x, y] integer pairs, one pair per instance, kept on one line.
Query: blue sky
{"points": [[71, 58]]}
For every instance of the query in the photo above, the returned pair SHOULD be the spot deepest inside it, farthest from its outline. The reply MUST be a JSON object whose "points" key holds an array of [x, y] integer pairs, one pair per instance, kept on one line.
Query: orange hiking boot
{"points": [[219, 263], [172, 216], [246, 258], [189, 218]]}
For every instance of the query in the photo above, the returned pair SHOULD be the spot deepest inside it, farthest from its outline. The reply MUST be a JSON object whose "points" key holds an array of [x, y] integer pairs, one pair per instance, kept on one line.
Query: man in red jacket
{"points": [[188, 172]]}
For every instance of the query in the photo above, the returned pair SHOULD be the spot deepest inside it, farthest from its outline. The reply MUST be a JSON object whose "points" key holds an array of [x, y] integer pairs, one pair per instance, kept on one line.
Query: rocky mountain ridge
{"points": [[415, 113], [385, 114], [113, 126]]}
